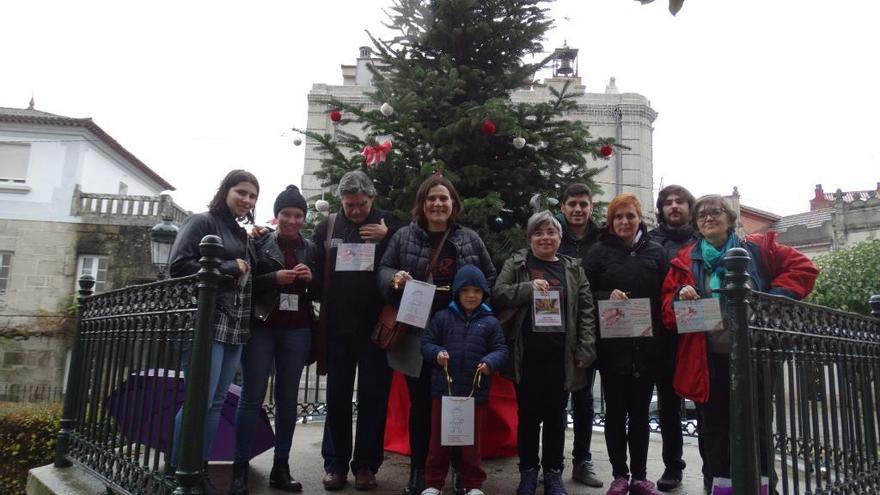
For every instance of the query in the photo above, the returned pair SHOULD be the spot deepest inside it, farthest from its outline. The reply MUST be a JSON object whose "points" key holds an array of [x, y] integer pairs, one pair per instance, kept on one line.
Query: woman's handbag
{"points": [[389, 333]]}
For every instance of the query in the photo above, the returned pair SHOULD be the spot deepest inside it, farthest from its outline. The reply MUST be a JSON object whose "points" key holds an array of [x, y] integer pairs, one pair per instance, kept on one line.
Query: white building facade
{"points": [[627, 117], [73, 201]]}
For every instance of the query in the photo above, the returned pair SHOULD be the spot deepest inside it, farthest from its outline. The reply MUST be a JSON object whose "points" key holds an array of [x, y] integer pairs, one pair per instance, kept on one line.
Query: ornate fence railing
{"points": [[125, 383], [805, 390]]}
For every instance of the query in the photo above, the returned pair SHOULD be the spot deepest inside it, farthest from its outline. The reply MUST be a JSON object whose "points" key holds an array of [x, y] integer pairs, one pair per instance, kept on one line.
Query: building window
{"points": [[14, 162], [96, 266], [5, 263]]}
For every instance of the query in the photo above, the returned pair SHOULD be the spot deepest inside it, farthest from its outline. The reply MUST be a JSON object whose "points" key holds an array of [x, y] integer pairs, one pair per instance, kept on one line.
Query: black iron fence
{"points": [[805, 386], [804, 376]]}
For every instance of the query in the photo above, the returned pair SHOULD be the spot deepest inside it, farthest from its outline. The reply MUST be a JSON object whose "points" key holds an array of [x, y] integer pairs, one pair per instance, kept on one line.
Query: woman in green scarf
{"points": [[702, 371]]}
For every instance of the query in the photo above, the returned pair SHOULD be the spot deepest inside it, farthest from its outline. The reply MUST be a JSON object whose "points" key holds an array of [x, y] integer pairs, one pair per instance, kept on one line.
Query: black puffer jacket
{"points": [[236, 245], [270, 259], [638, 270], [671, 239], [410, 250]]}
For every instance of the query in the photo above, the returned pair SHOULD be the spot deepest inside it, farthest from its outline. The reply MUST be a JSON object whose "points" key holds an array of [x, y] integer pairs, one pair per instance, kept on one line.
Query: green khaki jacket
{"points": [[512, 299]]}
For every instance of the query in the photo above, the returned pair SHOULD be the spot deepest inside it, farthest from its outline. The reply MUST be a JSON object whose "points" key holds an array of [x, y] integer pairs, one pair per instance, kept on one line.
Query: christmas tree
{"points": [[442, 99]]}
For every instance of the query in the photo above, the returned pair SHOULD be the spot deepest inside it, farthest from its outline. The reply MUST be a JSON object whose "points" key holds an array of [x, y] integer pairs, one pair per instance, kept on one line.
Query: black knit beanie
{"points": [[290, 197]]}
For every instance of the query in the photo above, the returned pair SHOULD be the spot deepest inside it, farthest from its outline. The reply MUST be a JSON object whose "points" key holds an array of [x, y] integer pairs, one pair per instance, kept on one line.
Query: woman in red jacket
{"points": [[702, 371]]}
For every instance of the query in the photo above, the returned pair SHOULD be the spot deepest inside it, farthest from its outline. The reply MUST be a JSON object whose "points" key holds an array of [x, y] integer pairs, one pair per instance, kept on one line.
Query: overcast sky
{"points": [[770, 96]]}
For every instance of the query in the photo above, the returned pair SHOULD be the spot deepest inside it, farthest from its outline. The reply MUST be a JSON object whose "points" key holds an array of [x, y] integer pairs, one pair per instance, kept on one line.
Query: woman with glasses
{"points": [[702, 371]]}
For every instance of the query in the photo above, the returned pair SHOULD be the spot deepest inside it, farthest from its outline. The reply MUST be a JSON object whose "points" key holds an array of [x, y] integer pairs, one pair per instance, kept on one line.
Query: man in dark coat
{"points": [[674, 231], [351, 306], [579, 233]]}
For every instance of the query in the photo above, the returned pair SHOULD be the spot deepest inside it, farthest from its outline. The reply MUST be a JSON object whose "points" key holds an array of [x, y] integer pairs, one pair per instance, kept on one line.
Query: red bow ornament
{"points": [[376, 154]]}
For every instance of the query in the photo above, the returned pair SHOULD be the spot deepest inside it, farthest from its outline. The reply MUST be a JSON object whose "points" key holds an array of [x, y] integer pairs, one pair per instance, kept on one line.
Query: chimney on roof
{"points": [[820, 194], [819, 201]]}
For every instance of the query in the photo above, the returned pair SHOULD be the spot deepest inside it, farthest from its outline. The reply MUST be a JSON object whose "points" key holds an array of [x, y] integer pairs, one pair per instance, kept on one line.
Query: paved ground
{"points": [[307, 466]]}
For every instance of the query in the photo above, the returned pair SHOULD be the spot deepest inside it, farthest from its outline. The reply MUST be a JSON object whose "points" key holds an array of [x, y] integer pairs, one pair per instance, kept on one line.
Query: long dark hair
{"points": [[418, 209], [218, 203]]}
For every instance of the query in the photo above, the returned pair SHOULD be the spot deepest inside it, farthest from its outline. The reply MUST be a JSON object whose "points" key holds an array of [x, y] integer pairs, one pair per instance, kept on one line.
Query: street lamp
{"points": [[162, 237]]}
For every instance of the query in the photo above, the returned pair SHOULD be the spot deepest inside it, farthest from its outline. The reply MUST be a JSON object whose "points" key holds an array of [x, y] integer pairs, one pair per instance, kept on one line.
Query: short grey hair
{"points": [[539, 219], [356, 182]]}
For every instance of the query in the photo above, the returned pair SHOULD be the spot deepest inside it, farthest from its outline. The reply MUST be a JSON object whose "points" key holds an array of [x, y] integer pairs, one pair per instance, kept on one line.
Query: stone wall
{"points": [[35, 325]]}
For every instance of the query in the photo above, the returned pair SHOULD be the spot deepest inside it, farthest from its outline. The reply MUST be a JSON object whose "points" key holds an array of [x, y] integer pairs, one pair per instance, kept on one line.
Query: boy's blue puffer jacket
{"points": [[469, 341]]}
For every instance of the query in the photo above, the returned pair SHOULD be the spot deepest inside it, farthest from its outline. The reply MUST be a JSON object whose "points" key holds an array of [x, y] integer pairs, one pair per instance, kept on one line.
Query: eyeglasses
{"points": [[710, 212]]}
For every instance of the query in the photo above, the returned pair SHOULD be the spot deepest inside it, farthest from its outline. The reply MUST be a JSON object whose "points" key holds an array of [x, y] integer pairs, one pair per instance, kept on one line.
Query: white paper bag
{"points": [[457, 421], [415, 304]]}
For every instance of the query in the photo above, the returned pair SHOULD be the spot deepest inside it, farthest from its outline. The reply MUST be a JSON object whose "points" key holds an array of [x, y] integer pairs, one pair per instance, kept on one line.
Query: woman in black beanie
{"points": [[281, 335]]}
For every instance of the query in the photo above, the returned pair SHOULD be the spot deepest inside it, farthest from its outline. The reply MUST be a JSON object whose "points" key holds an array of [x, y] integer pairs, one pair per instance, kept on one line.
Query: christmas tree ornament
{"points": [[375, 154], [489, 127], [386, 109], [322, 205], [606, 150], [335, 115], [519, 142], [499, 221], [297, 141]]}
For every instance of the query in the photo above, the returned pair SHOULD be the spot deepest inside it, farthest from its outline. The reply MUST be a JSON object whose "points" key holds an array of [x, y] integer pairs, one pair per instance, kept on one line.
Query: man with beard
{"points": [[674, 205], [579, 233]]}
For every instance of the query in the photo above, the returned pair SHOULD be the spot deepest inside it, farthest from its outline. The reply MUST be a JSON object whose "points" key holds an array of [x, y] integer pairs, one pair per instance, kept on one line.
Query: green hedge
{"points": [[27, 440]]}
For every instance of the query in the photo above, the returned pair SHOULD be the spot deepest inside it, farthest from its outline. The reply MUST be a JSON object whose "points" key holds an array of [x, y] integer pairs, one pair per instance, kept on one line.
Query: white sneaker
{"points": [[431, 491], [475, 491]]}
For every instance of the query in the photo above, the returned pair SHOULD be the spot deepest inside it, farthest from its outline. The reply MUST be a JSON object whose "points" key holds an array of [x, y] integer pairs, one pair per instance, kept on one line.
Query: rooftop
{"points": [[810, 220], [36, 117]]}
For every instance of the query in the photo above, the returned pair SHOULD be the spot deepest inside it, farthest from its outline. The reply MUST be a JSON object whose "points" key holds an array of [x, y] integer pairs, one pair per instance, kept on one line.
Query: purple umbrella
{"points": [[144, 407]]}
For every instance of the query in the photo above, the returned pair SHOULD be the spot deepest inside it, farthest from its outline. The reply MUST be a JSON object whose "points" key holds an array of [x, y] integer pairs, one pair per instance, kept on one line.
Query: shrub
{"points": [[849, 277], [27, 440]]}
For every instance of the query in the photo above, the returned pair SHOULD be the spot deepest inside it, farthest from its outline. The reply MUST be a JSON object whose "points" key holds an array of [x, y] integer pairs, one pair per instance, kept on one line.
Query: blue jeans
{"points": [[288, 350], [345, 353], [224, 363]]}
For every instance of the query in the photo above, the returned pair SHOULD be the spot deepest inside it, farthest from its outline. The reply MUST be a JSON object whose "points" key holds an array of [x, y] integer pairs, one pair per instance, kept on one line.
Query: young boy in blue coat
{"points": [[465, 338]]}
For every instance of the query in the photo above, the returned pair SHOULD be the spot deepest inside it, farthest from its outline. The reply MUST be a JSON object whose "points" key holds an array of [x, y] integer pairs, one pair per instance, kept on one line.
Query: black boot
{"points": [[416, 483], [239, 479], [280, 478]]}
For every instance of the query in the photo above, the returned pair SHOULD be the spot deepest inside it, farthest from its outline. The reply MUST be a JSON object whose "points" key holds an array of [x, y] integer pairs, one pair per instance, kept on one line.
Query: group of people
{"points": [[481, 322]]}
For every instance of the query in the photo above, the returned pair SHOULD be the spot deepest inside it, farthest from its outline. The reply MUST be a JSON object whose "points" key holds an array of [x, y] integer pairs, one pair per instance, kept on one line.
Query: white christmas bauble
{"points": [[297, 141], [519, 142], [386, 109], [322, 205]]}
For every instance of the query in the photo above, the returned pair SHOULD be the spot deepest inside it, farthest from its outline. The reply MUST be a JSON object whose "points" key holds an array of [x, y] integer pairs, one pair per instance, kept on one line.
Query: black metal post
{"points": [[192, 434], [874, 302], [743, 401], [71, 395]]}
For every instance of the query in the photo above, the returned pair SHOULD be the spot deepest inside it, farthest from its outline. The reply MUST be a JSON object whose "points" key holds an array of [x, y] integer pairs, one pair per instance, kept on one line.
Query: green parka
{"points": [[512, 298]]}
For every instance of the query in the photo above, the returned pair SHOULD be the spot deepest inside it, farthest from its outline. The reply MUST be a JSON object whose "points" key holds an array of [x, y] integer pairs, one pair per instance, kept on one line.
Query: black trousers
{"points": [[715, 424], [541, 399], [715, 427], [345, 353], [669, 412], [582, 413], [627, 404], [419, 416]]}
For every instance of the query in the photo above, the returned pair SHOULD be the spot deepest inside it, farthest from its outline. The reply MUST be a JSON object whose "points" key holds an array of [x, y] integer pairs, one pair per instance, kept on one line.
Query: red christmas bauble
{"points": [[606, 150], [335, 115], [489, 127]]}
